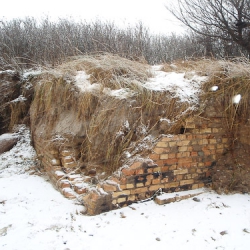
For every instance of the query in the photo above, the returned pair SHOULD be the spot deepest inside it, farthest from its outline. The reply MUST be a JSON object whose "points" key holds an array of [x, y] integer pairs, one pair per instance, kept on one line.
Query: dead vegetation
{"points": [[111, 126]]}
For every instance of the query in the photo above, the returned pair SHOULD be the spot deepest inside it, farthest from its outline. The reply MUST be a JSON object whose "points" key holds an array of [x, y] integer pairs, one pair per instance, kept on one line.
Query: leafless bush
{"points": [[29, 42]]}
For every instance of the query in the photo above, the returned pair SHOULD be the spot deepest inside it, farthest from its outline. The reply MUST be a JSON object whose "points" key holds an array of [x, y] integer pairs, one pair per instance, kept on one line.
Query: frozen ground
{"points": [[33, 215]]}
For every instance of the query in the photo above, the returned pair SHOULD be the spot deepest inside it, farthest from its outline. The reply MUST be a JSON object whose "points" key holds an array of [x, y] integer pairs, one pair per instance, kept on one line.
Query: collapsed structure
{"points": [[110, 131]]}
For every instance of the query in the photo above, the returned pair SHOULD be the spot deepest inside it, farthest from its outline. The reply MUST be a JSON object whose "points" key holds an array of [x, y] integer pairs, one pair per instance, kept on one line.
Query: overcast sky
{"points": [[123, 12]]}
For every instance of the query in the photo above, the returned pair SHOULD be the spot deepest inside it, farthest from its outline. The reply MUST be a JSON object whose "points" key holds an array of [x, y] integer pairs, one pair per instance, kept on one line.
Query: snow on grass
{"points": [[186, 87], [33, 215], [186, 90], [83, 83]]}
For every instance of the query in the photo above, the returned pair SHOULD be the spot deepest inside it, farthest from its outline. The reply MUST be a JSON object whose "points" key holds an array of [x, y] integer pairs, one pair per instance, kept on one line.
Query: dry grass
{"points": [[233, 79], [111, 71], [111, 125]]}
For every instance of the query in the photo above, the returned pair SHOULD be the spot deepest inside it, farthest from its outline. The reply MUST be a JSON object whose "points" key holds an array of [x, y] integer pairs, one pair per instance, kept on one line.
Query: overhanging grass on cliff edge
{"points": [[112, 125]]}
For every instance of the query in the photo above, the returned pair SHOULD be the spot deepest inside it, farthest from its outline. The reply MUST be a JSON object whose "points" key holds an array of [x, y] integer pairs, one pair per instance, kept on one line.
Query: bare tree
{"points": [[227, 20]]}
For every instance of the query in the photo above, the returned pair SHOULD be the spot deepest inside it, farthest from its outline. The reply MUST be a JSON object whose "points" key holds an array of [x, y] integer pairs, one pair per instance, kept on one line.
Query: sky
{"points": [[152, 13]]}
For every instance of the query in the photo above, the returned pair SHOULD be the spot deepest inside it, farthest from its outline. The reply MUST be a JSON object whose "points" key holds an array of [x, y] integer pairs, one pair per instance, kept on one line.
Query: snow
{"points": [[31, 72], [214, 88], [33, 215], [186, 90], [236, 99], [20, 98], [83, 83], [179, 85], [8, 136]]}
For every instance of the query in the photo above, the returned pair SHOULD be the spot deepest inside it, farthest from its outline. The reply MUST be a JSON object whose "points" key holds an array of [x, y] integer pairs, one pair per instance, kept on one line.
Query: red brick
{"points": [[123, 181], [160, 162], [156, 181], [154, 157], [207, 152], [194, 154], [164, 156], [164, 169], [164, 180], [139, 190], [185, 160], [109, 188], [185, 164], [139, 171], [171, 156], [183, 154], [156, 187], [128, 172], [186, 182], [207, 163], [171, 161], [179, 177], [173, 167], [136, 165], [219, 151], [166, 139], [172, 184]]}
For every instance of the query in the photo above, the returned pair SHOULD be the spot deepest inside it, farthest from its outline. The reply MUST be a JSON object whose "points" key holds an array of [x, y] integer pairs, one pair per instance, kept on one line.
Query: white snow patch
{"points": [[236, 99], [186, 90], [83, 83], [7, 71], [29, 73], [214, 88], [8, 136], [20, 98]]}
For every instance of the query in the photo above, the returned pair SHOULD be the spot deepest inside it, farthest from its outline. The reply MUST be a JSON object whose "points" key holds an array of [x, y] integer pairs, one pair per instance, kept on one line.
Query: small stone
{"points": [[196, 199], [122, 215], [92, 172], [133, 208], [223, 232], [158, 239]]}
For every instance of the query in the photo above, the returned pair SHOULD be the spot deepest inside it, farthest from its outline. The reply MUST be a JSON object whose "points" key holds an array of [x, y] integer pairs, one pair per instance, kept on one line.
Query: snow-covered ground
{"points": [[33, 215]]}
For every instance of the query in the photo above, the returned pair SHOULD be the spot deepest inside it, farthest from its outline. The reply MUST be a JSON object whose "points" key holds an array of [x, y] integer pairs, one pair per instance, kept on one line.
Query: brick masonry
{"points": [[177, 163]]}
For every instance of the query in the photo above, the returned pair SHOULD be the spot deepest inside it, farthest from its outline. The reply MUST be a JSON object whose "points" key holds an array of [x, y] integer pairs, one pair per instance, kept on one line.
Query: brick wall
{"points": [[177, 162]]}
